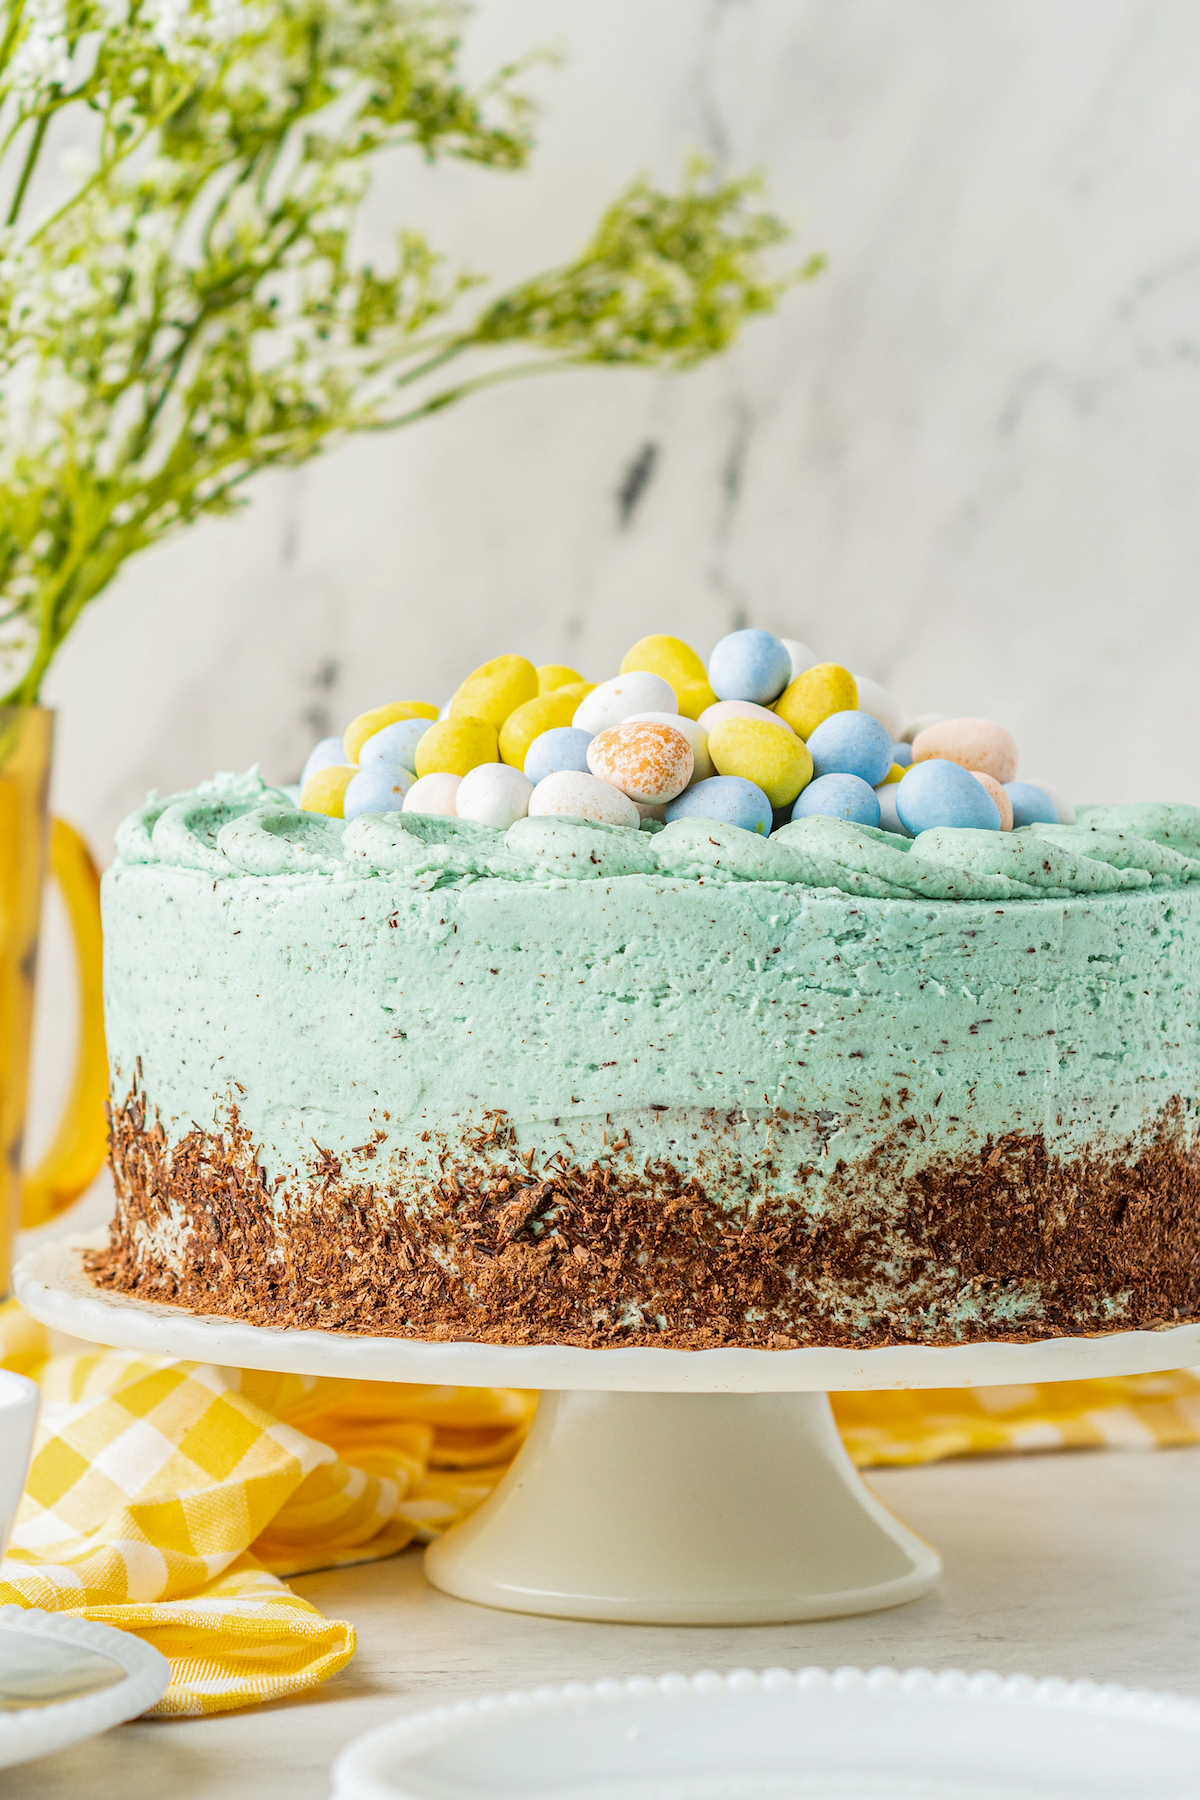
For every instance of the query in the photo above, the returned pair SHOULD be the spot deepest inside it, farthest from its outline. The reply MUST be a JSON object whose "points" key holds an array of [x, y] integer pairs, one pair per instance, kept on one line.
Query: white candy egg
{"points": [[692, 730], [613, 701], [575, 796], [493, 794], [712, 716], [875, 699], [802, 657], [433, 794], [919, 724]]}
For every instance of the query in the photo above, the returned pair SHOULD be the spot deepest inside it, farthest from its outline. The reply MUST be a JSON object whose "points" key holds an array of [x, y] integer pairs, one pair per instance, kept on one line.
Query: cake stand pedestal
{"points": [[656, 1486]]}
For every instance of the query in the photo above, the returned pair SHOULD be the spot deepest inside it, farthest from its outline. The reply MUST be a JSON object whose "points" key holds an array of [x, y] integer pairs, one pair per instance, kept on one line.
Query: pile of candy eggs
{"points": [[764, 734]]}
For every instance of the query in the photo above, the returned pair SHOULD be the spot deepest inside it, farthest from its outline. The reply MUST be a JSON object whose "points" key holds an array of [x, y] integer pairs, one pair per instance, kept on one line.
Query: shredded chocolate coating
{"points": [[1011, 1242]]}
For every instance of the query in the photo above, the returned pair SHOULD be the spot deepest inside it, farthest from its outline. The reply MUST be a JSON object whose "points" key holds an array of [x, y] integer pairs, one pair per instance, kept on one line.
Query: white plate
{"points": [[51, 1283], [38, 1730], [886, 1735]]}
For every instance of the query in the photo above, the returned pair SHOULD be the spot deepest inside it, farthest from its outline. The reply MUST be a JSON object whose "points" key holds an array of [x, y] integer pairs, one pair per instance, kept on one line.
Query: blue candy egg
{"points": [[379, 787], [839, 797], [851, 743], [750, 665], [902, 754], [328, 754], [1031, 805], [396, 743], [730, 798], [564, 748], [936, 792]]}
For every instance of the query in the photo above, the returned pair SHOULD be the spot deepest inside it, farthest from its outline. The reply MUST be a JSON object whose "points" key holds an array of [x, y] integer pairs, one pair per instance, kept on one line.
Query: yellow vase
{"points": [[27, 838]]}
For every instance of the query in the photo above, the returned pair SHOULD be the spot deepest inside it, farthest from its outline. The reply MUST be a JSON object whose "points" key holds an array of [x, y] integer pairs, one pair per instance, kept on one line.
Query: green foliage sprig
{"points": [[183, 306]]}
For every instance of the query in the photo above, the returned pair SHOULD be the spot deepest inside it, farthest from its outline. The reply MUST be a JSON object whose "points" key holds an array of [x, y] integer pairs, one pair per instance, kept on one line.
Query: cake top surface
{"points": [[238, 825]]}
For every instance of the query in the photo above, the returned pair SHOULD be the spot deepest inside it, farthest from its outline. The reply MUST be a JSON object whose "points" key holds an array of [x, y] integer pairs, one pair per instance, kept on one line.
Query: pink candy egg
{"points": [[978, 744], [1003, 803], [651, 763], [570, 794]]}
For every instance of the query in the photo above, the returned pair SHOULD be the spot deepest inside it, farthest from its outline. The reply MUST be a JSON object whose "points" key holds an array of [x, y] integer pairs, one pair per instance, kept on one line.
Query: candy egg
{"points": [[495, 689], [395, 744], [574, 796], [536, 716], [328, 754], [433, 794], [749, 665], [889, 818], [851, 743], [1003, 804], [875, 699], [902, 753], [921, 723], [839, 797], [555, 675], [325, 791], [824, 689], [651, 763], [613, 701], [493, 794], [712, 716], [775, 761], [802, 657], [692, 730], [368, 723], [975, 743], [557, 750], [940, 792], [895, 773], [456, 745], [378, 787], [669, 657], [693, 697], [727, 798], [1032, 804]]}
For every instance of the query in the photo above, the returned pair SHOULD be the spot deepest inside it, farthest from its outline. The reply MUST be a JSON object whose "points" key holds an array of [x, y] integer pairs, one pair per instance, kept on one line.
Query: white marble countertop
{"points": [[1074, 1565]]}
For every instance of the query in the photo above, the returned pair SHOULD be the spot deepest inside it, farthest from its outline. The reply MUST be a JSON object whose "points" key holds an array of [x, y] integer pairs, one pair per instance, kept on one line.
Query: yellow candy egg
{"points": [[555, 675], [543, 714], [694, 697], [368, 723], [774, 760], [325, 791], [669, 657], [824, 689], [494, 690], [456, 746], [895, 773]]}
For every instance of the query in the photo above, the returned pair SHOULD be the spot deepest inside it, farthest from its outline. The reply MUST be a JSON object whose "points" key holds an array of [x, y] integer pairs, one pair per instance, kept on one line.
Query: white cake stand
{"points": [[656, 1486]]}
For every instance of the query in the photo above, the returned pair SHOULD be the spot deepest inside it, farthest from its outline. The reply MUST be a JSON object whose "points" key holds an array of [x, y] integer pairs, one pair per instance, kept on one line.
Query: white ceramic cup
{"points": [[18, 1416]]}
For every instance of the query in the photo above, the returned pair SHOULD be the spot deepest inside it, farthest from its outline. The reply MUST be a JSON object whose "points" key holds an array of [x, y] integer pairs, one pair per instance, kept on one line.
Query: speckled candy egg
{"points": [[839, 797], [368, 723], [712, 716], [975, 743], [801, 656], [328, 754], [824, 689], [396, 743], [750, 665], [493, 794], [325, 790], [379, 787], [883, 705], [456, 745], [851, 743], [433, 794], [889, 818], [940, 792], [649, 762], [692, 730], [494, 690], [613, 701], [725, 797], [773, 760], [574, 796], [565, 747], [1004, 805]]}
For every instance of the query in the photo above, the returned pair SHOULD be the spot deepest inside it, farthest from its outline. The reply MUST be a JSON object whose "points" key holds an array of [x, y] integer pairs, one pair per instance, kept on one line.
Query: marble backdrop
{"points": [[964, 460]]}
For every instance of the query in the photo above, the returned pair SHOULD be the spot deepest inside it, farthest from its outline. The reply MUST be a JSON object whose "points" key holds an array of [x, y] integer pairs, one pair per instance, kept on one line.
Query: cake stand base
{"points": [[704, 1487], [683, 1509]]}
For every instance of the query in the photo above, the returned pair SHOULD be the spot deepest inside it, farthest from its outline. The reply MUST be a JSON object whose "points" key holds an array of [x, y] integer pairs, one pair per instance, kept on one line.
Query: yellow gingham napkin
{"points": [[171, 1499]]}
